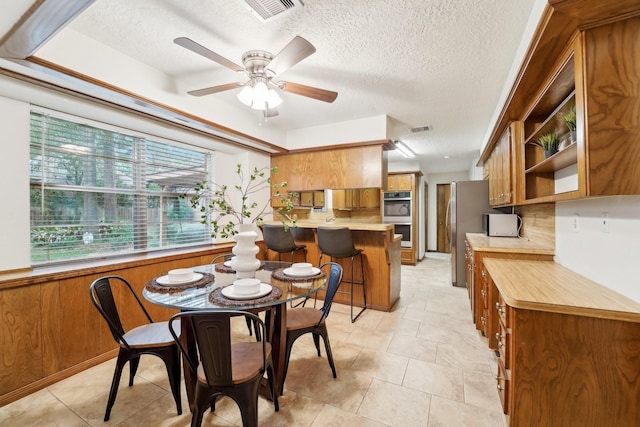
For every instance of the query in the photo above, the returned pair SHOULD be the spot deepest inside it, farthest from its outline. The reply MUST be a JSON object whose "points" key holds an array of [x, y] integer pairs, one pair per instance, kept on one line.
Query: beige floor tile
{"points": [[414, 348], [377, 340], [39, 409], [449, 413], [381, 365], [435, 379], [480, 390], [398, 325], [394, 405], [335, 417]]}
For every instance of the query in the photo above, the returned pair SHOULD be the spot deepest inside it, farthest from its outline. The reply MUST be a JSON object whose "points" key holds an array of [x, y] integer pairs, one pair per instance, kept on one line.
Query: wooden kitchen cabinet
{"points": [[352, 167], [568, 347], [356, 198], [502, 167], [401, 182], [369, 197], [306, 198], [318, 199], [483, 293], [584, 57]]}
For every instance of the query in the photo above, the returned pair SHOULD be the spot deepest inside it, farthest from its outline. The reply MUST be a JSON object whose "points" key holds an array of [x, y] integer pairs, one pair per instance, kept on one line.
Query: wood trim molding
{"points": [[386, 146]]}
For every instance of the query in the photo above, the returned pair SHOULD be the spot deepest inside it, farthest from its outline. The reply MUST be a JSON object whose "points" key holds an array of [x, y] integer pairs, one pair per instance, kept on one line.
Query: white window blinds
{"points": [[99, 191]]}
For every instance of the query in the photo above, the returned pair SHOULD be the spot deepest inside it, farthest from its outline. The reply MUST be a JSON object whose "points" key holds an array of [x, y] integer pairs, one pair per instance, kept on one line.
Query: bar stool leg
{"points": [[364, 289]]}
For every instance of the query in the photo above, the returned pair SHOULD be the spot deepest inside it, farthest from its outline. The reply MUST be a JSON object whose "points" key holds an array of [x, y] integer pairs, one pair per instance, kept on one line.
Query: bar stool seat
{"points": [[279, 240], [337, 242]]}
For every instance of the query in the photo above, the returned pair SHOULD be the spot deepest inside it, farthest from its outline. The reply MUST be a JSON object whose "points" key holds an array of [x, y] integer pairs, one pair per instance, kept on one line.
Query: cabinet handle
{"points": [[500, 388], [483, 273], [500, 308]]}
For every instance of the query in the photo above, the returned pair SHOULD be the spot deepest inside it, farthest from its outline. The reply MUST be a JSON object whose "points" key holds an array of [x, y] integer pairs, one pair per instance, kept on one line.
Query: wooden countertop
{"points": [[356, 226], [548, 286], [483, 243]]}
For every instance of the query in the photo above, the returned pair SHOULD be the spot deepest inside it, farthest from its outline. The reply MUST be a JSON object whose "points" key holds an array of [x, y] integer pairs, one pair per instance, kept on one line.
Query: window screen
{"points": [[99, 191]]}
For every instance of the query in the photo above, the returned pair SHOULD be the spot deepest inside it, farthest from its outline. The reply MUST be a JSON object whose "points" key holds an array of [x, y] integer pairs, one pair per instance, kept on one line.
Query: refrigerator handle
{"points": [[448, 221]]}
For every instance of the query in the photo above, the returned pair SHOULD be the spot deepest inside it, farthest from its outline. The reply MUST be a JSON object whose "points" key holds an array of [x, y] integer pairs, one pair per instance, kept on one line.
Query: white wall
{"points": [[366, 129], [14, 174], [609, 258]]}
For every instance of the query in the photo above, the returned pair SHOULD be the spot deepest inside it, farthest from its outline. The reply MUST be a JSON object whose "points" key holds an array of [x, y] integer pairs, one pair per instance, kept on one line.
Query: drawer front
{"points": [[485, 322], [504, 345], [502, 308], [502, 383]]}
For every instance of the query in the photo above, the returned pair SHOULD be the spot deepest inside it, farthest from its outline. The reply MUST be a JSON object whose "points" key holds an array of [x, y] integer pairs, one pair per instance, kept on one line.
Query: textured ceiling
{"points": [[436, 62]]}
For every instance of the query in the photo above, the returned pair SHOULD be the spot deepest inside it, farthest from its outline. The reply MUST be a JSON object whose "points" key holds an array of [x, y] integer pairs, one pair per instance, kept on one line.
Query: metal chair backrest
{"points": [[336, 242], [277, 238], [212, 332], [101, 293], [333, 282], [221, 258]]}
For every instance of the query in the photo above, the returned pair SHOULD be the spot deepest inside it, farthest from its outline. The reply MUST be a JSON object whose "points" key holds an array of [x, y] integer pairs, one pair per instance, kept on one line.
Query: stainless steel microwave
{"points": [[500, 225]]}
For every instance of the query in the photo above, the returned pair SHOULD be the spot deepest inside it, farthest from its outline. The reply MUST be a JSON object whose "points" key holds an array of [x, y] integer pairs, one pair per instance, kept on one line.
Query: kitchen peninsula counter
{"points": [[381, 250]]}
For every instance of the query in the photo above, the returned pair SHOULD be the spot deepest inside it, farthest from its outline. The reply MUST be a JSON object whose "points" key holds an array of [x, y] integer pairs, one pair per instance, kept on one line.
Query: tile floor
{"points": [[423, 364]]}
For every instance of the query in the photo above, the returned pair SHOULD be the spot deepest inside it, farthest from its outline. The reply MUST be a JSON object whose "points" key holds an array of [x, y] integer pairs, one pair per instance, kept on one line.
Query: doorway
{"points": [[443, 195]]}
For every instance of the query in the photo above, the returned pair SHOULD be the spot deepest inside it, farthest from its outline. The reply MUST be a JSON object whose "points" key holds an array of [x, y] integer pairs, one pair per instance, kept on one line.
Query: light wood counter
{"points": [[356, 226], [483, 243], [548, 286], [381, 250]]}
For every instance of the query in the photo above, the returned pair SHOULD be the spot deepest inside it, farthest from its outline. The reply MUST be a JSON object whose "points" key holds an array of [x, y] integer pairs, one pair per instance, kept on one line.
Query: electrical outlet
{"points": [[605, 222], [575, 225]]}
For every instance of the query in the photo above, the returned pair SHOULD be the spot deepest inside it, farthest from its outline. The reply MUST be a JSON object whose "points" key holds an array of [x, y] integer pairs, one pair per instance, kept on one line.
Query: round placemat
{"points": [[153, 286], [279, 275], [216, 297], [221, 268]]}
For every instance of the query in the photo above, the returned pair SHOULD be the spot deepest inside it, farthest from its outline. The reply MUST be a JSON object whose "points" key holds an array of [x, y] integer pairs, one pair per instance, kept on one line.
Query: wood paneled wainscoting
{"points": [[49, 329]]}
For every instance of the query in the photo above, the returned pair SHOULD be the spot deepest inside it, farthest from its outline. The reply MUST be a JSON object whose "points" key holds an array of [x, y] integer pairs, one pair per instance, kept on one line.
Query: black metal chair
{"points": [[280, 240], [304, 320], [337, 242], [224, 368], [150, 338]]}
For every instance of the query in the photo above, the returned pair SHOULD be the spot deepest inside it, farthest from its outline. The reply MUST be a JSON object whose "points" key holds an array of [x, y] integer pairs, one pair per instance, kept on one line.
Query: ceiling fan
{"points": [[262, 68]]}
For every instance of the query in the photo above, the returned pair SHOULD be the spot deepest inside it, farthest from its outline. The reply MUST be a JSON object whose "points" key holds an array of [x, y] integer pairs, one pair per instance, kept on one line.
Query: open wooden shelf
{"points": [[558, 161]]}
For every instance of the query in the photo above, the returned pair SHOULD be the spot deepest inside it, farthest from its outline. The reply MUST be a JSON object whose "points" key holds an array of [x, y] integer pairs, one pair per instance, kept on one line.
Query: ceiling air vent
{"points": [[267, 9], [420, 129]]}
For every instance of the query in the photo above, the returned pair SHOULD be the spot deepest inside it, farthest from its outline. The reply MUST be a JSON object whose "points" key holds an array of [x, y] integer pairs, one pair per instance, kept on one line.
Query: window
{"points": [[99, 191]]}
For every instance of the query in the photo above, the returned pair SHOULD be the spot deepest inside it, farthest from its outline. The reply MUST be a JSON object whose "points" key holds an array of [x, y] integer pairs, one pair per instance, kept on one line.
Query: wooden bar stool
{"points": [[337, 242]]}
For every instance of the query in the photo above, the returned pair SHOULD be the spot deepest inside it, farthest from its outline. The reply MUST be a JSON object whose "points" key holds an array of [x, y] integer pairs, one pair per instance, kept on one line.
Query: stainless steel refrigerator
{"points": [[467, 202]]}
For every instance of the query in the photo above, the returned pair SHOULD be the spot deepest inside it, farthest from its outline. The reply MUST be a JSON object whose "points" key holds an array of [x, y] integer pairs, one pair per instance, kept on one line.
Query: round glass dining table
{"points": [[206, 293], [183, 297]]}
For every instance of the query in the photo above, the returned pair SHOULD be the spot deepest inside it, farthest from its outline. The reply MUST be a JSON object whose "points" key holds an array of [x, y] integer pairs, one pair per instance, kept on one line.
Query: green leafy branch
{"points": [[214, 201]]}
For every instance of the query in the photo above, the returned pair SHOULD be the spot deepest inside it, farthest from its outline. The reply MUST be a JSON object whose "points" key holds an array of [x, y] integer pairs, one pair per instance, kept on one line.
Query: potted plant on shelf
{"points": [[569, 119], [549, 143], [239, 219]]}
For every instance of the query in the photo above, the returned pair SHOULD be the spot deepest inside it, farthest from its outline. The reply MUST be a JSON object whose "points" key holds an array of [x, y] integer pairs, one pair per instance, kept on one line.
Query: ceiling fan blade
{"points": [[290, 55], [271, 112], [310, 91], [214, 89], [201, 50]]}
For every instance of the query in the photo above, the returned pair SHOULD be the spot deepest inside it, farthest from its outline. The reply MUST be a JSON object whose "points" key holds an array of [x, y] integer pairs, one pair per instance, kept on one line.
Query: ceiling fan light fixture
{"points": [[260, 94], [246, 95], [273, 99], [404, 149]]}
